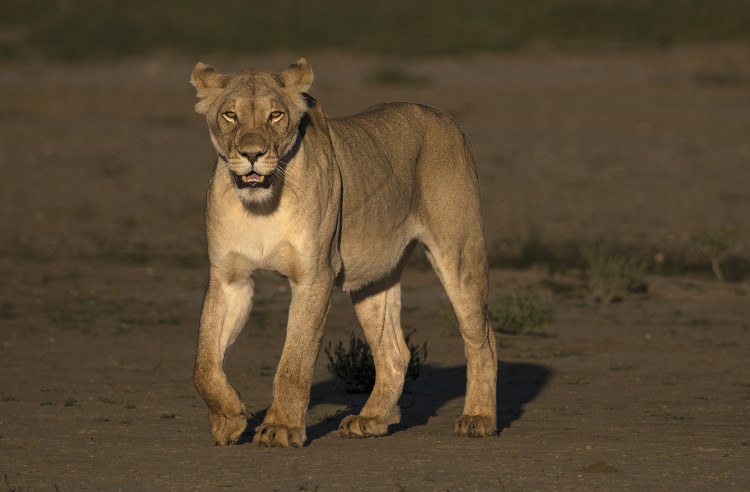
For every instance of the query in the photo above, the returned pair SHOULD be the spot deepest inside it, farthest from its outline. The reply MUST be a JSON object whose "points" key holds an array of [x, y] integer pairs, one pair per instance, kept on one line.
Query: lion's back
{"points": [[398, 126], [397, 135]]}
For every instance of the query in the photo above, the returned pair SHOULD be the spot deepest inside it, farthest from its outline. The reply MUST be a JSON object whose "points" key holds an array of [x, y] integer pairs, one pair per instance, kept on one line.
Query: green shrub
{"points": [[519, 312], [714, 245], [356, 368], [610, 273]]}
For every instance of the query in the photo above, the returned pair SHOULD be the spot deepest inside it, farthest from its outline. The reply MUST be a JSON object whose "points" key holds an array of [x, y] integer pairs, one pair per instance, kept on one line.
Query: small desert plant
{"points": [[356, 367], [519, 312], [611, 274], [714, 245]]}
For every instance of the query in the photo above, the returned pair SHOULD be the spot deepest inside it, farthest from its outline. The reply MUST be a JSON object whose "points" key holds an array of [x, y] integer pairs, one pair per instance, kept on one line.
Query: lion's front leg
{"points": [[284, 424], [225, 310]]}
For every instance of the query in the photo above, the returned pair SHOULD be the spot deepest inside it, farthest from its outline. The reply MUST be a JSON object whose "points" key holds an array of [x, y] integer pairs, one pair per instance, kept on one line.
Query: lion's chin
{"points": [[255, 190], [252, 180]]}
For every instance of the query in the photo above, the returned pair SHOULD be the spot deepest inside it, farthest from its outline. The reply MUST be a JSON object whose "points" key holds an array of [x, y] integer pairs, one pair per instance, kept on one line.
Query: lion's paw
{"points": [[279, 436], [474, 426], [359, 426], [225, 430]]}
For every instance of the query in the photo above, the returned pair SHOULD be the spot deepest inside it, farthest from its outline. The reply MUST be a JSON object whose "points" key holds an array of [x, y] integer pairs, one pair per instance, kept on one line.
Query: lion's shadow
{"points": [[518, 384]]}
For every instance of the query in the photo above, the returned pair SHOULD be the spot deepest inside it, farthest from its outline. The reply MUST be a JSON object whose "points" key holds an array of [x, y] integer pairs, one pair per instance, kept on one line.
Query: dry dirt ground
{"points": [[102, 267]]}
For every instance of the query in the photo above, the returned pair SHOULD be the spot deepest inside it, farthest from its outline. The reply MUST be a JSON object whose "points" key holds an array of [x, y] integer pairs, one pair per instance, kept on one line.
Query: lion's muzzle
{"points": [[252, 180]]}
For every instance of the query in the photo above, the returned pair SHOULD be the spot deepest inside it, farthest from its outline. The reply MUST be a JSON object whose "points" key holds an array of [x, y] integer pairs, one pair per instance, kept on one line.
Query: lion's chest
{"points": [[242, 243]]}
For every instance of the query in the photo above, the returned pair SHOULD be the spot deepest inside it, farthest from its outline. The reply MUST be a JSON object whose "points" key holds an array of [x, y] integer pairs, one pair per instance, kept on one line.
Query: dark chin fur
{"points": [[259, 200]]}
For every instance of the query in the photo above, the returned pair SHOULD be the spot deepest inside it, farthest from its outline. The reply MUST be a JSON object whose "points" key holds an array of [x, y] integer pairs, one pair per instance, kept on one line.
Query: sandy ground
{"points": [[102, 270]]}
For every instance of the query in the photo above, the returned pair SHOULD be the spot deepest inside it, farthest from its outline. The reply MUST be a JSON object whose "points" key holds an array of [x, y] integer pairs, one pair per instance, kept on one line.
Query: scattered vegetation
{"points": [[89, 29], [356, 368], [69, 318], [519, 312], [20, 251], [728, 77], [534, 251], [610, 273], [715, 245]]}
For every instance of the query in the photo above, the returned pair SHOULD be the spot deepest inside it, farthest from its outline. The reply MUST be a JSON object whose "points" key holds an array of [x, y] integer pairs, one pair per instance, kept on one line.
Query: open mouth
{"points": [[252, 180]]}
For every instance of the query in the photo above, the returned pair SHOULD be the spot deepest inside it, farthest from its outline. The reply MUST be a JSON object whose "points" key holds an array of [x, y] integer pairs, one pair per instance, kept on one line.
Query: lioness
{"points": [[334, 201]]}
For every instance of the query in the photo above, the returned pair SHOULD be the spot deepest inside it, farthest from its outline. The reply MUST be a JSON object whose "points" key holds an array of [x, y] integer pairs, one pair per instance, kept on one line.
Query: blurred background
{"points": [[594, 120], [91, 29], [617, 121]]}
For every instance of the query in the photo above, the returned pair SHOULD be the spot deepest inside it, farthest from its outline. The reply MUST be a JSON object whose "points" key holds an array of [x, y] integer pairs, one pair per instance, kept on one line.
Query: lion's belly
{"points": [[379, 220], [368, 256]]}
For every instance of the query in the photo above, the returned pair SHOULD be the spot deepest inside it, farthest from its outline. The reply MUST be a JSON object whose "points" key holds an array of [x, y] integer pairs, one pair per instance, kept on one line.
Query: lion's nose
{"points": [[251, 147], [251, 154]]}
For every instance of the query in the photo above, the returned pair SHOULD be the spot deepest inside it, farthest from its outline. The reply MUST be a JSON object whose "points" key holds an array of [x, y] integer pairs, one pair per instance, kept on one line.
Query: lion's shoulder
{"points": [[403, 118]]}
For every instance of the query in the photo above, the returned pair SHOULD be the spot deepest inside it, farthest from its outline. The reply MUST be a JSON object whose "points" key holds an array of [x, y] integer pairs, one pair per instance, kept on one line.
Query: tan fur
{"points": [[335, 201]]}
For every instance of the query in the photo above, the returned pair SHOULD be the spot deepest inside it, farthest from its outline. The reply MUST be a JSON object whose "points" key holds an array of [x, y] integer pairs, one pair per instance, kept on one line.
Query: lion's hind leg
{"points": [[463, 273], [378, 309]]}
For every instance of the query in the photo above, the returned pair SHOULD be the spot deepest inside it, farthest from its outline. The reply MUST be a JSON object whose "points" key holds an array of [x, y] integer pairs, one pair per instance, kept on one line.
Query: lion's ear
{"points": [[206, 81], [299, 75], [206, 77]]}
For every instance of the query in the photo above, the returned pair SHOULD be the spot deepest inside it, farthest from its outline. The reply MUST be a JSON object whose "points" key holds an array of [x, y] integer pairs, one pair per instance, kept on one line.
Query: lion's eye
{"points": [[275, 115], [230, 116]]}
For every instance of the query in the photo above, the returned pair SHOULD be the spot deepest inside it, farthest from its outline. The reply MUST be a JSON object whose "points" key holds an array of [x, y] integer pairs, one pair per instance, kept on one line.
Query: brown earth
{"points": [[102, 270]]}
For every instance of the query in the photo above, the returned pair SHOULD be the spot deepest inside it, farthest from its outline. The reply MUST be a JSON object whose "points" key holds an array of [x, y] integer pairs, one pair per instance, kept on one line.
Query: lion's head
{"points": [[253, 117]]}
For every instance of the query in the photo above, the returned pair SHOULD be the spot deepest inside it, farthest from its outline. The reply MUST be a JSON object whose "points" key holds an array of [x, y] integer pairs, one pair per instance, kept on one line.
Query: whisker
{"points": [[294, 187]]}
